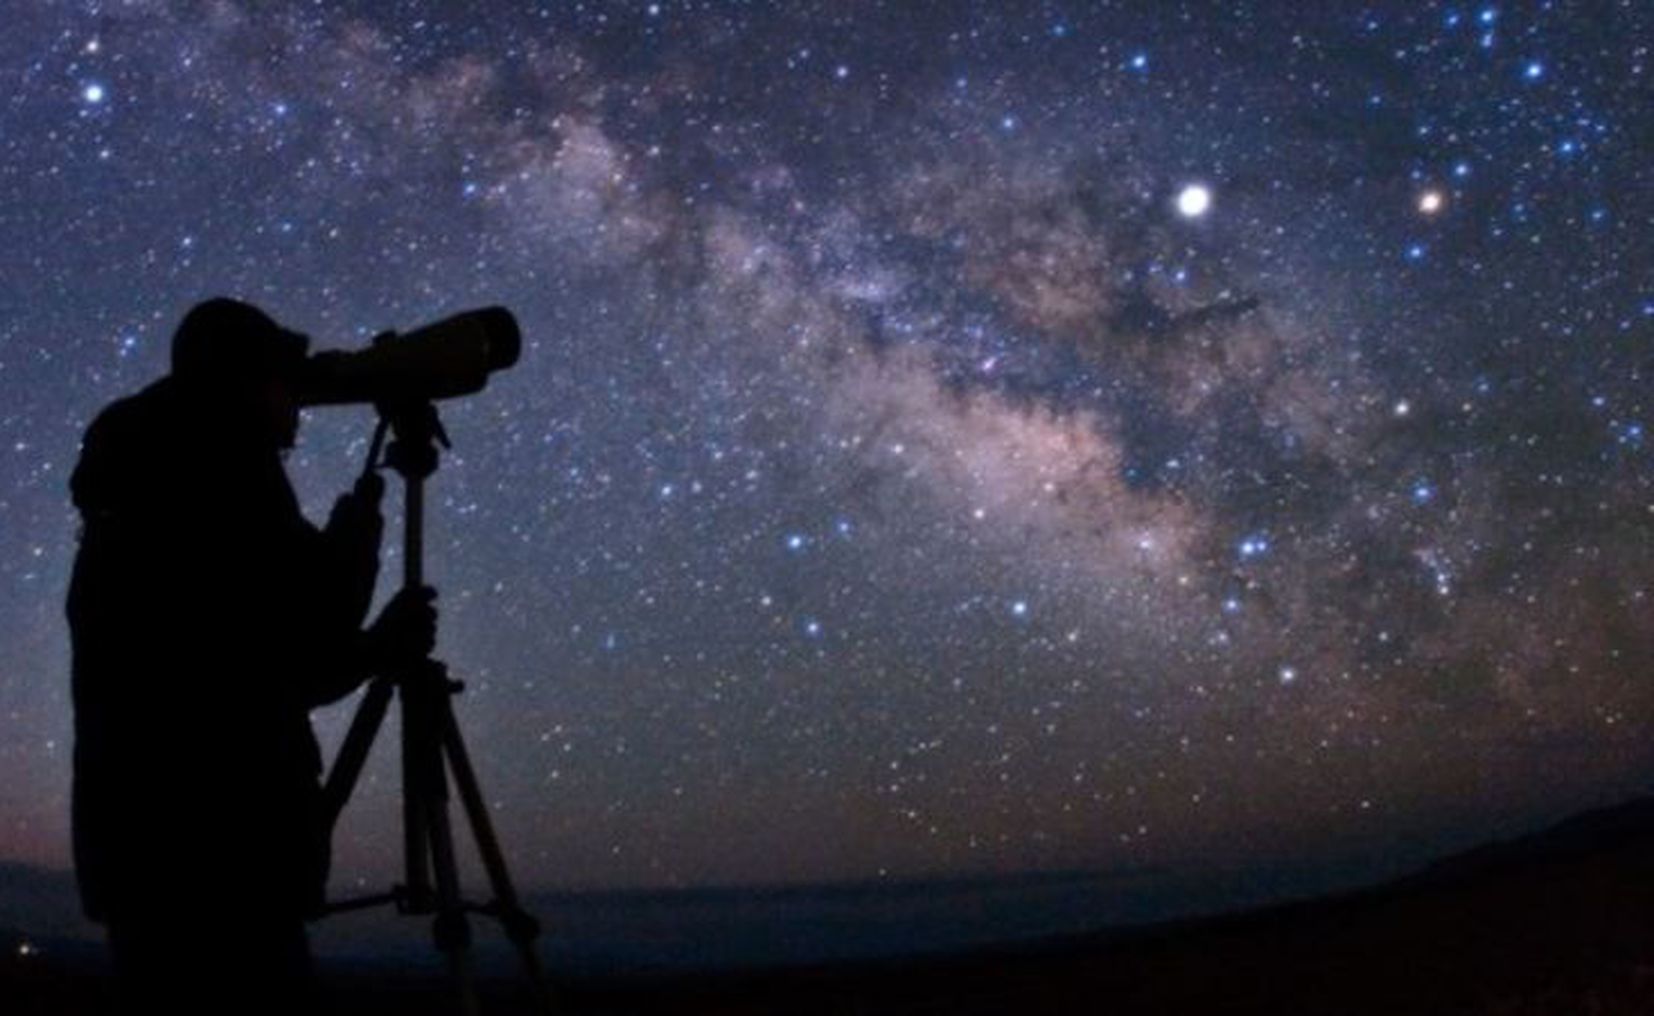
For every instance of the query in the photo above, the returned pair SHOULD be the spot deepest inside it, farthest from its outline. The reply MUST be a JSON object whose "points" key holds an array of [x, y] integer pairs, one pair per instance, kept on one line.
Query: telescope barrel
{"points": [[443, 360]]}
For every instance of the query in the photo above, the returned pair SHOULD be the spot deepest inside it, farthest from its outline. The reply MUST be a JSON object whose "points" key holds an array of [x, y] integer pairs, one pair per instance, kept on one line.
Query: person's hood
{"points": [[142, 452], [119, 453]]}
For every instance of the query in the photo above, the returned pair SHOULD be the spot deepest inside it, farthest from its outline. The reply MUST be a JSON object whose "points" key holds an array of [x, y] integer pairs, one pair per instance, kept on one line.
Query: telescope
{"points": [[443, 360]]}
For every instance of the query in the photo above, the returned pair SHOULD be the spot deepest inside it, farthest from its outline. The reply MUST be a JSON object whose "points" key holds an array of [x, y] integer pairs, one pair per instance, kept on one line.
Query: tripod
{"points": [[431, 747]]}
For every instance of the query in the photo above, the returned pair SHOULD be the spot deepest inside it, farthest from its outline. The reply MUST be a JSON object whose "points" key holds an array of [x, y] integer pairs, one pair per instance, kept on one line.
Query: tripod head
{"points": [[417, 439], [417, 442]]}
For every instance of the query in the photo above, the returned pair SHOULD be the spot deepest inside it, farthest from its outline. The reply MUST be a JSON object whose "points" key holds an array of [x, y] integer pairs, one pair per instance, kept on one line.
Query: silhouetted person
{"points": [[207, 619]]}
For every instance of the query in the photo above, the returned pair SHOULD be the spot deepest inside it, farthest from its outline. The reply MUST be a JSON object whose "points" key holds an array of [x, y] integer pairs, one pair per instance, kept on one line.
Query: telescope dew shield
{"points": [[443, 360]]}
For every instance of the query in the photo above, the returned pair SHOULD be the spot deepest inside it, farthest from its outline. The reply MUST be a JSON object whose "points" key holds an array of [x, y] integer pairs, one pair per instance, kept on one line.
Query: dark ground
{"points": [[1559, 922]]}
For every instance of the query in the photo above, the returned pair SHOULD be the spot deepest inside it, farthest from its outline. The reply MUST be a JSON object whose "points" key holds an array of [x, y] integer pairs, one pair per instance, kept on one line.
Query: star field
{"points": [[967, 438]]}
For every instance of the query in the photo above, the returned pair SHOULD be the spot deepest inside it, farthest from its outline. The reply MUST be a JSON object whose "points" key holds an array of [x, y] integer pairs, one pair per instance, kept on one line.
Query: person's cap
{"points": [[226, 340]]}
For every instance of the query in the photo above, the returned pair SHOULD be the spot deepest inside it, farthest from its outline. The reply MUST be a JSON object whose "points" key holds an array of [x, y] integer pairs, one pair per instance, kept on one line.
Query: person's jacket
{"points": [[207, 618]]}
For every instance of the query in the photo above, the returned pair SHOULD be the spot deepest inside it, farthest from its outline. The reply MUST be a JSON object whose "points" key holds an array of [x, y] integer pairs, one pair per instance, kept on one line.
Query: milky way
{"points": [[907, 473]]}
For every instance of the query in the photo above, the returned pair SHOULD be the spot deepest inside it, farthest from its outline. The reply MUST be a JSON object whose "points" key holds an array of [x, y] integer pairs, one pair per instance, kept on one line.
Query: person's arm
{"points": [[404, 630], [348, 568], [343, 568]]}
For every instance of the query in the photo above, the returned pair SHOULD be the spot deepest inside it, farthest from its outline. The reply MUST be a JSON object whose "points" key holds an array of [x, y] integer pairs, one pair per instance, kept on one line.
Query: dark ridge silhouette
{"points": [[1560, 921], [1577, 836]]}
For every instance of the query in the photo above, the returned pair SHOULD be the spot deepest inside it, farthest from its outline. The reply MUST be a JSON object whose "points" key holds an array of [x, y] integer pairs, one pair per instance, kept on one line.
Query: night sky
{"points": [[950, 439]]}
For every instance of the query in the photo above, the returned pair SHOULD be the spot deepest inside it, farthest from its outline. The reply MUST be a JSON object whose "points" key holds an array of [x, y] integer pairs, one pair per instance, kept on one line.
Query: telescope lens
{"points": [[505, 339]]}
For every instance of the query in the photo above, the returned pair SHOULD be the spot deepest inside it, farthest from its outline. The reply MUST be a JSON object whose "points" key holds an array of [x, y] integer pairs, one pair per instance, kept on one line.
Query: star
{"points": [[1194, 200]]}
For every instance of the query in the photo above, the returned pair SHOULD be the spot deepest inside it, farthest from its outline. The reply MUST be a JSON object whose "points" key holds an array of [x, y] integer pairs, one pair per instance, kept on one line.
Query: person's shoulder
{"points": [[151, 407], [125, 438]]}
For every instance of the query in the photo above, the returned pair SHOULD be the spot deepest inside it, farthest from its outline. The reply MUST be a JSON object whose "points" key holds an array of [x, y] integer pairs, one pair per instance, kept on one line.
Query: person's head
{"points": [[229, 353]]}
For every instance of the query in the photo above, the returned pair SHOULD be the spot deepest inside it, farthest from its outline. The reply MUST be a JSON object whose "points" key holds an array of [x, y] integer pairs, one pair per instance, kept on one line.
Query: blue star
{"points": [[1254, 546]]}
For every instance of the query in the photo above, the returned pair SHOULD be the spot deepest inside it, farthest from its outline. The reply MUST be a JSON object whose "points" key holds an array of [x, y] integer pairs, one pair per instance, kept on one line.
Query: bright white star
{"points": [[1194, 201]]}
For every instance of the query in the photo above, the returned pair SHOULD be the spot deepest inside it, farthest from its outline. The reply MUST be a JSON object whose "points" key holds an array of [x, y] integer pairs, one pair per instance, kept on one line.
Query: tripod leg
{"points": [[415, 806], [353, 754], [520, 926], [420, 681], [452, 930]]}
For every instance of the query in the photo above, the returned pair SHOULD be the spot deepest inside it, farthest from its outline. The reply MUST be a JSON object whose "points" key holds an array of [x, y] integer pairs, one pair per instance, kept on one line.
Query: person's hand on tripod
{"points": [[405, 630], [366, 494]]}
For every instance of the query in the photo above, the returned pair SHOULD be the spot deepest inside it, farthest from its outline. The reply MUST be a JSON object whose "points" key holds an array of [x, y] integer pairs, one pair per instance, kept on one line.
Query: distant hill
{"points": [[1559, 921], [1578, 837]]}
